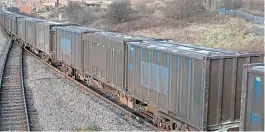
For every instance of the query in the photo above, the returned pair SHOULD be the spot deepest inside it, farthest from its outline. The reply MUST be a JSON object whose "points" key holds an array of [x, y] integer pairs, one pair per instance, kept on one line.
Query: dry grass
{"points": [[206, 29], [228, 34]]}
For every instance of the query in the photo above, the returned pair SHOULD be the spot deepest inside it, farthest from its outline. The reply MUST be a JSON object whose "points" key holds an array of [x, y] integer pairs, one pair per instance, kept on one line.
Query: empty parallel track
{"points": [[13, 110]]}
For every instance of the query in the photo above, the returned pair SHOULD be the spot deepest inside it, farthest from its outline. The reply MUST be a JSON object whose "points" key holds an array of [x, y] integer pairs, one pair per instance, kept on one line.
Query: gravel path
{"points": [[61, 106]]}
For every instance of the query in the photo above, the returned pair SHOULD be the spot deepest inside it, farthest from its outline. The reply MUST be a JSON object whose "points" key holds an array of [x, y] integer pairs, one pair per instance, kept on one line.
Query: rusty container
{"points": [[21, 22], [69, 45], [104, 57], [31, 31], [252, 98], [45, 33], [197, 86]]}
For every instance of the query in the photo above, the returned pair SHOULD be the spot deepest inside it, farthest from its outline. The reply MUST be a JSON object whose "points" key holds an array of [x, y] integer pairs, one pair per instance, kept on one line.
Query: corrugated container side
{"points": [[225, 83], [8, 23], [41, 36], [53, 42], [21, 28], [46, 36], [14, 24], [252, 98], [2, 18], [68, 48], [104, 59], [187, 91], [69, 45], [171, 83], [31, 32], [215, 81]]}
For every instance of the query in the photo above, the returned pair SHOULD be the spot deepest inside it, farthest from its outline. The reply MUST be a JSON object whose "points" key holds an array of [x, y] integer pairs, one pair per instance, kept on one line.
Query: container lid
{"points": [[197, 46], [34, 19], [179, 49], [119, 36], [77, 29]]}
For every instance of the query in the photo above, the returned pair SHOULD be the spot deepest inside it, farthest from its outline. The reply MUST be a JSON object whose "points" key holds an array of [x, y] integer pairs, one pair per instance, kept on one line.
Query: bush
{"points": [[119, 11], [183, 8], [78, 14]]}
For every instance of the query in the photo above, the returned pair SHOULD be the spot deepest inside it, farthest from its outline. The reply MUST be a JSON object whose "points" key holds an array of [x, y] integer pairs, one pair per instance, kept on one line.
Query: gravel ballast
{"points": [[62, 106]]}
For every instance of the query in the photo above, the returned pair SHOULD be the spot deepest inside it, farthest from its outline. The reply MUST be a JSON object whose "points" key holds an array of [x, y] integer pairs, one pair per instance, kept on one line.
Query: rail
{"points": [[23, 90], [11, 91]]}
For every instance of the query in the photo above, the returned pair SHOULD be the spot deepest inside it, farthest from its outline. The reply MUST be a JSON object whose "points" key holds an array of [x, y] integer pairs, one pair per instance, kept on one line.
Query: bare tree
{"points": [[119, 11], [79, 14]]}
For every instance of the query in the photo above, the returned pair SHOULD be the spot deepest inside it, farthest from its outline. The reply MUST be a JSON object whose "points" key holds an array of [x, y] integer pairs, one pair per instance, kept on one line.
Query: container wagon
{"points": [[7, 22], [21, 33], [104, 57], [180, 86], [69, 47], [31, 33], [45, 39], [200, 88], [11, 24], [252, 108], [2, 18]]}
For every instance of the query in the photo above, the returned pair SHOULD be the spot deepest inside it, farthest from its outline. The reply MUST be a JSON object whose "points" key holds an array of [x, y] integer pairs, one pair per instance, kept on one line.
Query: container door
{"points": [[255, 103]]}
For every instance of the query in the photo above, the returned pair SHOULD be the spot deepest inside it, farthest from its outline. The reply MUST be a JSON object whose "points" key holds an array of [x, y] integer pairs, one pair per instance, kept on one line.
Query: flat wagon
{"points": [[252, 108], [201, 88]]}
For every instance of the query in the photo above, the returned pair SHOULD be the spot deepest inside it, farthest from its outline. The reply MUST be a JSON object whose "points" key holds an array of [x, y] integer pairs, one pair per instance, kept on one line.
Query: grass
{"points": [[230, 33], [90, 127]]}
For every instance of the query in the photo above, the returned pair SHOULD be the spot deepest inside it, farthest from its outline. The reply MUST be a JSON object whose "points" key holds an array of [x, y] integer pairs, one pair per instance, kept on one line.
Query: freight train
{"points": [[179, 86]]}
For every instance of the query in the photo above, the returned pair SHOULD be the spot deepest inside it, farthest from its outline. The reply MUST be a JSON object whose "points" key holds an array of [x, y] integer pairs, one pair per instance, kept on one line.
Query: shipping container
{"points": [[7, 23], [199, 87], [45, 33], [21, 28], [31, 31], [14, 24], [69, 45], [2, 17], [104, 57], [252, 98]]}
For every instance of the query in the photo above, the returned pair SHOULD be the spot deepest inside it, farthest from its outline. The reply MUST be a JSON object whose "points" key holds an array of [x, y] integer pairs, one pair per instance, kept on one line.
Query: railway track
{"points": [[102, 95], [13, 108]]}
